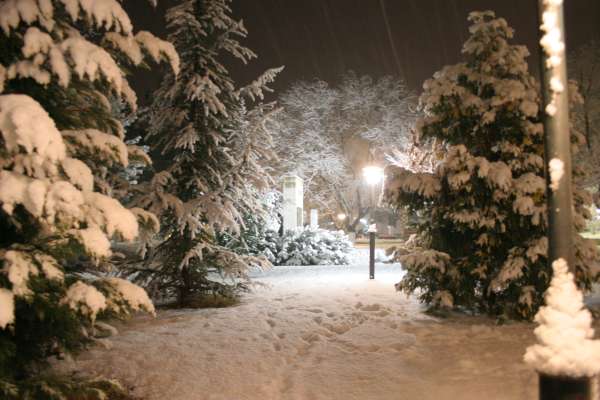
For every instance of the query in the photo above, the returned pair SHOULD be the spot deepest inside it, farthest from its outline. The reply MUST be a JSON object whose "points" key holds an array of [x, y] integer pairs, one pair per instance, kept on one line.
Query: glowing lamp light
{"points": [[372, 174], [341, 216]]}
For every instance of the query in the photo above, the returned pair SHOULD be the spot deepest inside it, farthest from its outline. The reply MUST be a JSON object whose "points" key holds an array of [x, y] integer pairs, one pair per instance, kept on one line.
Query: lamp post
{"points": [[373, 175], [557, 157]]}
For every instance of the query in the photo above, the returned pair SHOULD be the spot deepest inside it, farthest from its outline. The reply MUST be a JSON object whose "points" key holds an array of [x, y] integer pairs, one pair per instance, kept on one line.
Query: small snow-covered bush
{"points": [[303, 246], [308, 246], [51, 387]]}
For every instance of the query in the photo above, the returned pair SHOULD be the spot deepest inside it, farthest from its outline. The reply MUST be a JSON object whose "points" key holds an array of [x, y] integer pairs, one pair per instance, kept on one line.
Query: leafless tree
{"points": [[327, 134]]}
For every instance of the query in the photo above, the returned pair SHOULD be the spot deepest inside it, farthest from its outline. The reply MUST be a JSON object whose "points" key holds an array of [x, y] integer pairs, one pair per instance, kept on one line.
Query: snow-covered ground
{"points": [[326, 333]]}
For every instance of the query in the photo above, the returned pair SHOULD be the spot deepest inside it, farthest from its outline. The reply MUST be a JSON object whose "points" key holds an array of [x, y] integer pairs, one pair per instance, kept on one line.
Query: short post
{"points": [[314, 218], [564, 388], [558, 166], [372, 233]]}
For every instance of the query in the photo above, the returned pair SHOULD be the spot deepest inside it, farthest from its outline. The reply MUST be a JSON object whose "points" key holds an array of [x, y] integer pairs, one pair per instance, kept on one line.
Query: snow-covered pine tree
{"points": [[213, 150], [56, 132], [482, 231]]}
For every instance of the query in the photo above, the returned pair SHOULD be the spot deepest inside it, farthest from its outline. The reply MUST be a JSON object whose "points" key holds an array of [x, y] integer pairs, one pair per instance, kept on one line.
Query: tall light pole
{"points": [[373, 176], [557, 140]]}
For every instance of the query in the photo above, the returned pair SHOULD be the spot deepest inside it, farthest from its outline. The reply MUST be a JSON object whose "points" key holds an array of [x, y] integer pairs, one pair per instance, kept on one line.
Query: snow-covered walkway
{"points": [[318, 333]]}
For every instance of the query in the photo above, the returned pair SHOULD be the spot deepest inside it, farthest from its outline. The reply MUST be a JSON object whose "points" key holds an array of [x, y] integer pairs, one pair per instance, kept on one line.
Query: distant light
{"points": [[363, 221], [341, 216], [373, 174]]}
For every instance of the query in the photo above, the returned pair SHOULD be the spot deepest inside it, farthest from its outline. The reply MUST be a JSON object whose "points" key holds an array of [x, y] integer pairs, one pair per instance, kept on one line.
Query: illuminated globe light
{"points": [[341, 216], [372, 174]]}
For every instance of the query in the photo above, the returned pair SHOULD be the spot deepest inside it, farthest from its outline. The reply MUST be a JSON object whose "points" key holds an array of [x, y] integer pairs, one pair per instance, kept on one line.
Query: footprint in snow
{"points": [[314, 310], [311, 337], [340, 328], [369, 307], [383, 313]]}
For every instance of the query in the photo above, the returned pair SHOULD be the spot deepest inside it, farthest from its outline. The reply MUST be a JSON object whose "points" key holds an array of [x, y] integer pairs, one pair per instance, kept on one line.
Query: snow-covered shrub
{"points": [[260, 237], [302, 246], [53, 387], [482, 232], [216, 147], [57, 140], [310, 246]]}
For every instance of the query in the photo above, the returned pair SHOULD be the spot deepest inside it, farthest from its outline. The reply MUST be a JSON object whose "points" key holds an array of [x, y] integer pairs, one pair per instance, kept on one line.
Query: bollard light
{"points": [[373, 175], [372, 231]]}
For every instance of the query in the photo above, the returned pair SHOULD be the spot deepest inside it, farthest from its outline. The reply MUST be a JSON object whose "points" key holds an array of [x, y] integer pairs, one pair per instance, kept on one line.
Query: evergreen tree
{"points": [[212, 148], [57, 70], [482, 241]]}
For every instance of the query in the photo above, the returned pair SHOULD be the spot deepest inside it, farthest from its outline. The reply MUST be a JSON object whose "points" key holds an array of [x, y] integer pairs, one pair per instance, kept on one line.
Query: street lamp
{"points": [[373, 175]]}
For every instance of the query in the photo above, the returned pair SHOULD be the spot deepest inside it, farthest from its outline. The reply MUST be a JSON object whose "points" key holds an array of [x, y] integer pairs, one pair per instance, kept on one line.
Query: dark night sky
{"points": [[323, 38]]}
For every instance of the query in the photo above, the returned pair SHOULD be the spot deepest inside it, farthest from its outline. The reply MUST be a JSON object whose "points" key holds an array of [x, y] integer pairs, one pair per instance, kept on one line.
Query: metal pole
{"points": [[557, 145], [564, 388], [371, 255]]}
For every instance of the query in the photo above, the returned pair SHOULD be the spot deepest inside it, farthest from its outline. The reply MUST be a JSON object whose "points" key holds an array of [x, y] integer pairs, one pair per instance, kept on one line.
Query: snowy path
{"points": [[318, 333]]}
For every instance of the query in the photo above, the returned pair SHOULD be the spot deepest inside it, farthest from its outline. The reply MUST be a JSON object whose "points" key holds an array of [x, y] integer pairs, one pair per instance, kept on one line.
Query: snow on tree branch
{"points": [[255, 89], [7, 308], [25, 125], [107, 14], [133, 46], [159, 49], [423, 184], [98, 144], [13, 12], [85, 298]]}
